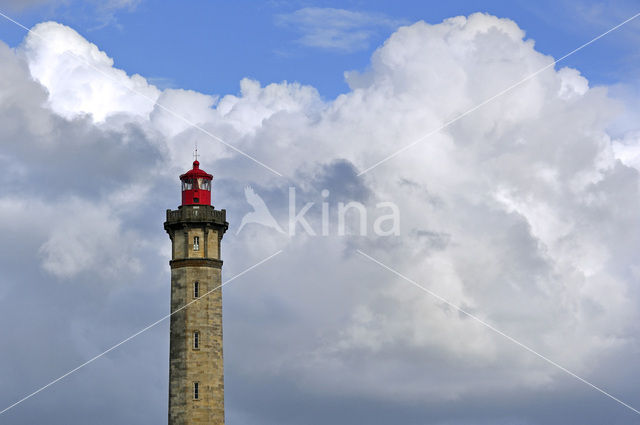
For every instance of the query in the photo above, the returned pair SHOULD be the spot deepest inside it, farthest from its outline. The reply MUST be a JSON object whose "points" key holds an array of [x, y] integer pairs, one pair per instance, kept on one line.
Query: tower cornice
{"points": [[196, 215], [195, 262]]}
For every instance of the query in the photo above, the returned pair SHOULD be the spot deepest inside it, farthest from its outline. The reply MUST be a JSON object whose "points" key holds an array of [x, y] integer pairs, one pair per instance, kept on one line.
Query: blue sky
{"points": [[208, 46]]}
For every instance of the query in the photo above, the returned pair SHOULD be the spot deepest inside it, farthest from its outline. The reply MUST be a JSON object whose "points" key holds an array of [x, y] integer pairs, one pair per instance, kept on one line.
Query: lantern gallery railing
{"points": [[196, 213]]}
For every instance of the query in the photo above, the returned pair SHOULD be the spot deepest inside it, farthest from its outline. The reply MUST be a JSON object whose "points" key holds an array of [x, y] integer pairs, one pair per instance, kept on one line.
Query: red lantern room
{"points": [[196, 186]]}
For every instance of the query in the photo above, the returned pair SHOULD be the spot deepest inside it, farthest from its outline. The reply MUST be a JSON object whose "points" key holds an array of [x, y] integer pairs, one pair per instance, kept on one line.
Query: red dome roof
{"points": [[196, 172]]}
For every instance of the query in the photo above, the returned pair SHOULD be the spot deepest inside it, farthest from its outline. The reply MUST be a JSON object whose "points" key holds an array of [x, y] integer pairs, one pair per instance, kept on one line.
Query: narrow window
{"points": [[196, 243], [196, 340], [196, 392], [196, 289]]}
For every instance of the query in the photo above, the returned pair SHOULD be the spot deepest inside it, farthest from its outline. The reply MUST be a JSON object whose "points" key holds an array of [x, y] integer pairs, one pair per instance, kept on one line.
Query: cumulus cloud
{"points": [[86, 238], [80, 78], [627, 149], [524, 213]]}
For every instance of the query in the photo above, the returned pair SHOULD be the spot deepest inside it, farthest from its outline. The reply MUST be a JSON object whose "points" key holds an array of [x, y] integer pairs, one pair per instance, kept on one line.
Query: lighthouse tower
{"points": [[196, 378]]}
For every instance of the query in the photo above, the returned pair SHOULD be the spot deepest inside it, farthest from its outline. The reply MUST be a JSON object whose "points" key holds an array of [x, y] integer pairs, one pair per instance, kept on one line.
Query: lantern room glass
{"points": [[199, 183], [204, 184]]}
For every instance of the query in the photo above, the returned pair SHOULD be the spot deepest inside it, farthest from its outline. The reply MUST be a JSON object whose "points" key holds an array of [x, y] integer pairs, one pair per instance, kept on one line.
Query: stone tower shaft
{"points": [[196, 374]]}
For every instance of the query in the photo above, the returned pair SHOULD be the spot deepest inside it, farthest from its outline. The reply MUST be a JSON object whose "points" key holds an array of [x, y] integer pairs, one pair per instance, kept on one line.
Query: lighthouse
{"points": [[196, 377]]}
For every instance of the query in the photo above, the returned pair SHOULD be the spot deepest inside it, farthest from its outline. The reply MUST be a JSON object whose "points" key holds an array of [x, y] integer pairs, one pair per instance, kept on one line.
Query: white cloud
{"points": [[336, 29], [521, 212], [80, 78], [628, 149]]}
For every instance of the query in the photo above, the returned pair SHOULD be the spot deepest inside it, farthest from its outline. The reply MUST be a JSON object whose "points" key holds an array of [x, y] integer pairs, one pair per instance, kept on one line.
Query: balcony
{"points": [[197, 214]]}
